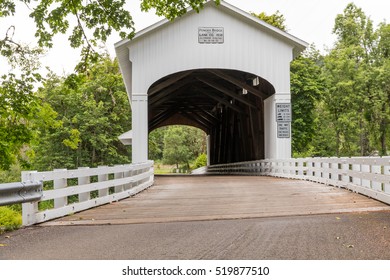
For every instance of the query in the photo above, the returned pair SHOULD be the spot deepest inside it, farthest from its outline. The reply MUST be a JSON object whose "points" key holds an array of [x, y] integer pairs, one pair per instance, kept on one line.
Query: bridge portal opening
{"points": [[177, 149], [228, 105]]}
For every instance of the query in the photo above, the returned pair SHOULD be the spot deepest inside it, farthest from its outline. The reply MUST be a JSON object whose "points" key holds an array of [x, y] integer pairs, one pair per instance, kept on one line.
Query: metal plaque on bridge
{"points": [[283, 112], [210, 35], [284, 130]]}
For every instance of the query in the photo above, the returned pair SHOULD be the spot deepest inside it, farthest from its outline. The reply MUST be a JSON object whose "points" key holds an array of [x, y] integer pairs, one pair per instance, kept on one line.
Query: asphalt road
{"points": [[327, 236]]}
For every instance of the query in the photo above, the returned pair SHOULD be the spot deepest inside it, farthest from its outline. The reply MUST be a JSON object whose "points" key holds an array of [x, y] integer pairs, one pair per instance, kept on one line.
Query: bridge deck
{"points": [[197, 198]]}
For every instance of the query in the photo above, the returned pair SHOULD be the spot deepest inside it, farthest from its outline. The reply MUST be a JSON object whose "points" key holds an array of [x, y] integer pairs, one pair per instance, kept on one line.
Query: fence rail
{"points": [[14, 193], [369, 176], [76, 190]]}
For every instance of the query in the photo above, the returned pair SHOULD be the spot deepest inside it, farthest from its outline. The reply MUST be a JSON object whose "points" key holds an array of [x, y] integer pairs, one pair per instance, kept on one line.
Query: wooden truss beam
{"points": [[227, 91], [168, 82], [220, 100], [239, 83]]}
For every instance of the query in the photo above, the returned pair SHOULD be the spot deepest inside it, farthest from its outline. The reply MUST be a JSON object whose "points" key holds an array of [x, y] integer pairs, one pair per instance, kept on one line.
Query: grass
{"points": [[9, 219], [160, 169]]}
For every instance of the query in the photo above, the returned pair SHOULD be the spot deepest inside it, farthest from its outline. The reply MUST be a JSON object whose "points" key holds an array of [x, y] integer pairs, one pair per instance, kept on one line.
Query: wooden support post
{"points": [[102, 178], [84, 181], [386, 171], [376, 169], [345, 176], [366, 169], [119, 175], [355, 180], [60, 184]]}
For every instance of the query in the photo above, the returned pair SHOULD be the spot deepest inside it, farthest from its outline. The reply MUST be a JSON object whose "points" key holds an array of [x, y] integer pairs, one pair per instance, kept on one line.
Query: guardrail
{"points": [[72, 191], [14, 193], [369, 176]]}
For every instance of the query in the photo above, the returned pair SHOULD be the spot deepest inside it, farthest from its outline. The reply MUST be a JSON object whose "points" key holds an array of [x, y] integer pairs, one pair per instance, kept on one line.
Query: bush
{"points": [[200, 161], [9, 219], [12, 175]]}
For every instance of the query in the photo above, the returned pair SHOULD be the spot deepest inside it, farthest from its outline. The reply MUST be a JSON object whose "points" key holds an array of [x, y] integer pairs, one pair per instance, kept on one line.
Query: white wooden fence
{"points": [[80, 189], [369, 176]]}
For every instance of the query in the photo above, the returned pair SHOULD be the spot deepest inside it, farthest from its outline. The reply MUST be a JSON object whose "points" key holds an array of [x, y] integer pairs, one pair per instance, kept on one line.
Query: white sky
{"points": [[309, 20]]}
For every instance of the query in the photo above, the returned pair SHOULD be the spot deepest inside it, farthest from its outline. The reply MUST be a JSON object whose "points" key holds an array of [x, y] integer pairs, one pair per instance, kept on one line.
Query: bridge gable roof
{"points": [[298, 44]]}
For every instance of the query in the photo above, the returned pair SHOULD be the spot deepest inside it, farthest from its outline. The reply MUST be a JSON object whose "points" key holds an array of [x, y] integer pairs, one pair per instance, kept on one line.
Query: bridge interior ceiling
{"points": [[227, 104]]}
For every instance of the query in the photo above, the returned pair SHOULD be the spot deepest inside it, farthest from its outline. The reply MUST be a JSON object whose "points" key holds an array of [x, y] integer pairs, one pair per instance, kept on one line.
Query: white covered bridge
{"points": [[221, 70]]}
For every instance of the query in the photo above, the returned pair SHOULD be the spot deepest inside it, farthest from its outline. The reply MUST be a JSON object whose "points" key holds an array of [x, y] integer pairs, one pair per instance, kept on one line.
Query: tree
{"points": [[182, 144], [307, 87], [173, 9], [91, 110], [382, 73], [350, 82], [156, 143], [18, 104]]}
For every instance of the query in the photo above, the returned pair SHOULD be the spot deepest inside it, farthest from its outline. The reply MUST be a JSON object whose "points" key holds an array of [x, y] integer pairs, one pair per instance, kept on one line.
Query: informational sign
{"points": [[284, 130], [211, 35], [283, 112]]}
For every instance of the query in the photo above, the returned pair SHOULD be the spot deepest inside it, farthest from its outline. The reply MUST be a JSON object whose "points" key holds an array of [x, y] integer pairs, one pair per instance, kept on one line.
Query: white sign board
{"points": [[211, 35], [283, 112], [284, 130]]}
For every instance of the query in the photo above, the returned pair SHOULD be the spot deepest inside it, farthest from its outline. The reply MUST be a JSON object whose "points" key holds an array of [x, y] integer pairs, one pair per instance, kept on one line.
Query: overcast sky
{"points": [[309, 20]]}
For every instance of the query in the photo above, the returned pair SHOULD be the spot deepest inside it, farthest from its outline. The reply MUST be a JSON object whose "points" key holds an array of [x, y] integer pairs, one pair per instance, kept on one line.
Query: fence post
{"points": [[102, 178], [376, 169], [300, 167], [345, 168], [29, 209], [366, 168], [84, 181], [293, 167], [60, 184], [334, 170], [387, 172], [309, 165], [126, 174], [325, 171], [356, 168], [317, 171], [118, 175]]}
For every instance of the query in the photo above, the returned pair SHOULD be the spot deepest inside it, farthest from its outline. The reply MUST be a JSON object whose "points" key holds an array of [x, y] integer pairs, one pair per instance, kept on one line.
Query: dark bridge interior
{"points": [[227, 104]]}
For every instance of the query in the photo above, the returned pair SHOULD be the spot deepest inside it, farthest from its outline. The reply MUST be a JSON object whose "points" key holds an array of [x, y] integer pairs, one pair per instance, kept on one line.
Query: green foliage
{"points": [[341, 102], [176, 144], [276, 19], [156, 143], [200, 161], [17, 108], [18, 103], [175, 149], [11, 175], [52, 17], [349, 75], [173, 9], [307, 85], [9, 219], [87, 114]]}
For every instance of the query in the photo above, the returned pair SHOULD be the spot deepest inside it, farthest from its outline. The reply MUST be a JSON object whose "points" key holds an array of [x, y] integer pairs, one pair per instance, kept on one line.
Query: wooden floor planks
{"points": [[195, 198]]}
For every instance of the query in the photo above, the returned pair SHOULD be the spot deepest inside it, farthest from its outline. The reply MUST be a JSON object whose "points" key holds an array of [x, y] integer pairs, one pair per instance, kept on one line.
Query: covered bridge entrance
{"points": [[223, 71]]}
